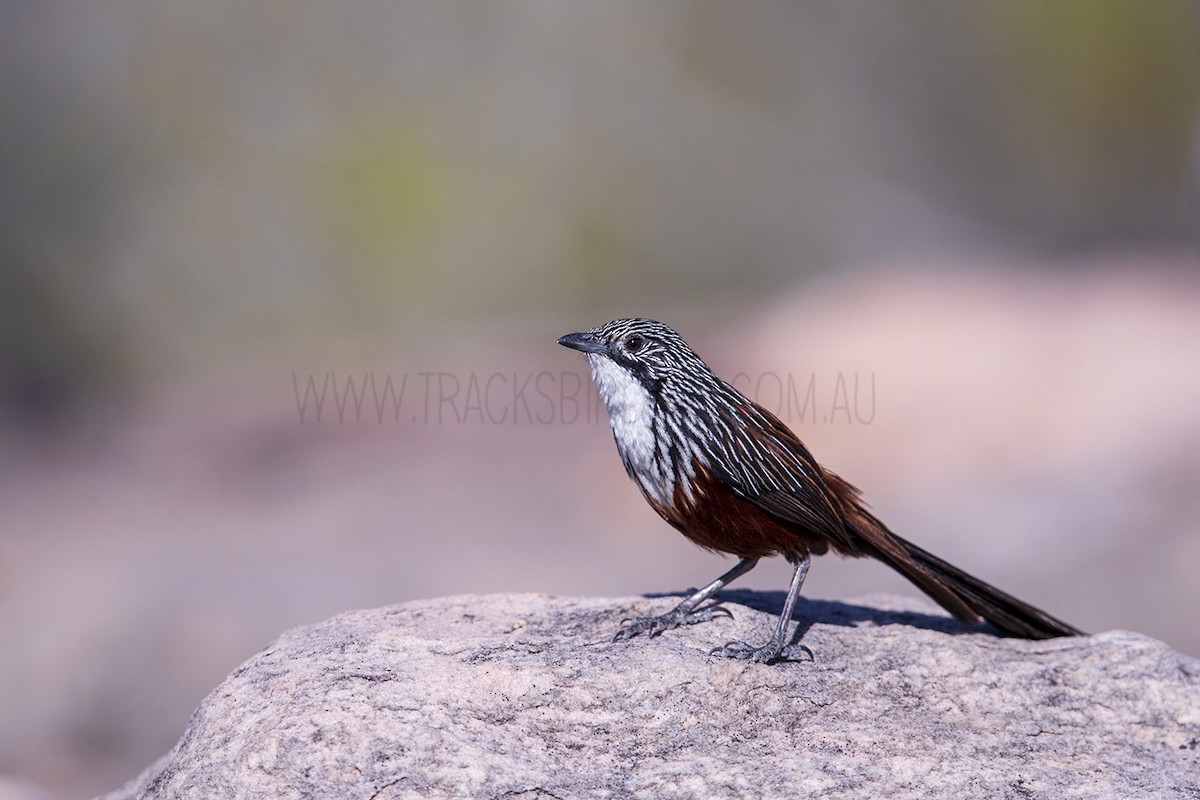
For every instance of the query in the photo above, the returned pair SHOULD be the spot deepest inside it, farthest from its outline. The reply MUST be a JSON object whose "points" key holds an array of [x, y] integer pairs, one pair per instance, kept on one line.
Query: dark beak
{"points": [[585, 342]]}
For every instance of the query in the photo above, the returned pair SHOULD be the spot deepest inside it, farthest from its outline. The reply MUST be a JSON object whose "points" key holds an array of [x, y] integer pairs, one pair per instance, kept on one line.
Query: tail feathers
{"points": [[963, 595], [943, 581]]}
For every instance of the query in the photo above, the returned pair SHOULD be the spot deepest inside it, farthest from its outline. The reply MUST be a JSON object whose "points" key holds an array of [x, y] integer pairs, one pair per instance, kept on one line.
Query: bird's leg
{"points": [[774, 646], [688, 612]]}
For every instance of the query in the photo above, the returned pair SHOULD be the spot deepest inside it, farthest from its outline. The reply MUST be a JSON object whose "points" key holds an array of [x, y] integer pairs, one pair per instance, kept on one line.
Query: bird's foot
{"points": [[743, 651], [653, 626]]}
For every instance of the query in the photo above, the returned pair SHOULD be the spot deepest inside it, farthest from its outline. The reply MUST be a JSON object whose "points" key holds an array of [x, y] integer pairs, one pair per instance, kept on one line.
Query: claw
{"points": [[654, 626], [769, 652], [807, 651], [747, 652]]}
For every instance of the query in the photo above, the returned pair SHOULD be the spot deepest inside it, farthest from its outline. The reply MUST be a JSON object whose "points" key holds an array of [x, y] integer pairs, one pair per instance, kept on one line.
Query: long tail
{"points": [[958, 591], [962, 594]]}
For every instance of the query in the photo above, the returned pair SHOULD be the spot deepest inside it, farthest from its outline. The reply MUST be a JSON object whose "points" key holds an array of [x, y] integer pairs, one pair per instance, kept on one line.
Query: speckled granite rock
{"points": [[524, 696]]}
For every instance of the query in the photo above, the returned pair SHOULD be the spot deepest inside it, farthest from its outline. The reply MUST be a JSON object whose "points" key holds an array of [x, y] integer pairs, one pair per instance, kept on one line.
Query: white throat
{"points": [[631, 416]]}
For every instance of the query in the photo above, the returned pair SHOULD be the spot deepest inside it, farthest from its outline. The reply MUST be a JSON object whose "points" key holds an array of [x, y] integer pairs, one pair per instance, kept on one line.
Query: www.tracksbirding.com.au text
{"points": [[550, 398]]}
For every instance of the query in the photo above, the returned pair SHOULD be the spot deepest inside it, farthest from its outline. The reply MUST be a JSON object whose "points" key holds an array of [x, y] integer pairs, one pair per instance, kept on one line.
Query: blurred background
{"points": [[954, 245]]}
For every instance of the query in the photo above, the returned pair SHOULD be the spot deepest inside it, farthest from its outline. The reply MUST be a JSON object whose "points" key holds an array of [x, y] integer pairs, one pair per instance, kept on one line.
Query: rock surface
{"points": [[524, 696]]}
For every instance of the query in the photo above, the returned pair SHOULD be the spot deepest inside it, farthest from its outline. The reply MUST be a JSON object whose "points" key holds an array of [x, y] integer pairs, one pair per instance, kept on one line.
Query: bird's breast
{"points": [[715, 518]]}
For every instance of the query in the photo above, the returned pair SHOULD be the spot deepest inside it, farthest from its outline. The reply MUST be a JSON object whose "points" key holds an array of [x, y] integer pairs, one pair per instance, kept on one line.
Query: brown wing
{"points": [[772, 469]]}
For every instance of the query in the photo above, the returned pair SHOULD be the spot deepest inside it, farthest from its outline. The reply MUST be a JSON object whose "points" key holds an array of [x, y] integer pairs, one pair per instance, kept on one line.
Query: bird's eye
{"points": [[634, 343]]}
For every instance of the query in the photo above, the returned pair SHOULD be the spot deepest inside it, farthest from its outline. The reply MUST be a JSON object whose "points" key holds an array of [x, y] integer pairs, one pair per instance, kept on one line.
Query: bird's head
{"points": [[640, 350]]}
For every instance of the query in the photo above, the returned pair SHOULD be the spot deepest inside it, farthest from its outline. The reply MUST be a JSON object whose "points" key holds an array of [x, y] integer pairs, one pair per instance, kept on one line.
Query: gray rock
{"points": [[525, 696]]}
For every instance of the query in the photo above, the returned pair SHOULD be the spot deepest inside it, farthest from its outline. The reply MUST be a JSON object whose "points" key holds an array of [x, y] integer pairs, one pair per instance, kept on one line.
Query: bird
{"points": [[732, 478]]}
